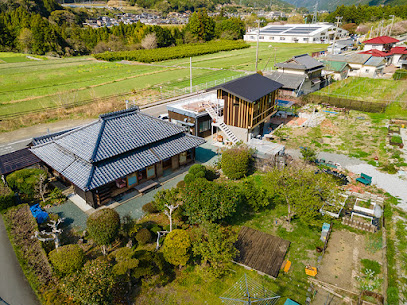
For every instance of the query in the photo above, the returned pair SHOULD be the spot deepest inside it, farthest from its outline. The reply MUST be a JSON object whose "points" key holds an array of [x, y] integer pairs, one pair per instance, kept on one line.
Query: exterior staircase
{"points": [[218, 122]]}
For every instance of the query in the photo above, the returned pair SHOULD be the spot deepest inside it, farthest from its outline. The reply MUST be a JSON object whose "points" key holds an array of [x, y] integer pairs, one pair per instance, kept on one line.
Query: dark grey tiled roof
{"points": [[251, 87], [116, 145], [176, 145], [289, 80], [301, 62]]}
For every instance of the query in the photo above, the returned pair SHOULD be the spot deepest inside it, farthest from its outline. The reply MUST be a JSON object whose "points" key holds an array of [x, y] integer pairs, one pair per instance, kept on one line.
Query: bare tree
{"points": [[54, 232], [41, 186], [149, 42]]}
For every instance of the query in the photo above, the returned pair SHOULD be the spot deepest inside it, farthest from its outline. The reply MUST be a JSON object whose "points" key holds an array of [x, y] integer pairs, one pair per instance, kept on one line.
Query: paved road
{"points": [[14, 288]]}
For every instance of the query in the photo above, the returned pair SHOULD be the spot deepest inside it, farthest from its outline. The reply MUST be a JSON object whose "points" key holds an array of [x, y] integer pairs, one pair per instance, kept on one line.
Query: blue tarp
{"points": [[290, 302], [38, 213]]}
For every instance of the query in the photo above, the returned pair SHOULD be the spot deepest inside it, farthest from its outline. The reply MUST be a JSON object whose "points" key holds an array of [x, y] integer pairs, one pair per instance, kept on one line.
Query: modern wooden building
{"points": [[248, 101], [120, 151]]}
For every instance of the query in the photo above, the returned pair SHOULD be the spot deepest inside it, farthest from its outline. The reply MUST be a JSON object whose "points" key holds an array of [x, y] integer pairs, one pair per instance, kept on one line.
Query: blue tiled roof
{"points": [[116, 145]]}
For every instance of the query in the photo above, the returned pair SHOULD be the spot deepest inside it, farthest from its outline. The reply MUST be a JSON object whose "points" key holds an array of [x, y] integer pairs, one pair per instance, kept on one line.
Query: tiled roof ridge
{"points": [[119, 113], [96, 148]]}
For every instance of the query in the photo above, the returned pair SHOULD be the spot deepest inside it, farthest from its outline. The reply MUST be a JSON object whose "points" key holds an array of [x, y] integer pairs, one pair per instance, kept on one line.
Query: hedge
{"points": [[400, 74], [7, 198], [21, 225], [374, 107], [181, 51]]}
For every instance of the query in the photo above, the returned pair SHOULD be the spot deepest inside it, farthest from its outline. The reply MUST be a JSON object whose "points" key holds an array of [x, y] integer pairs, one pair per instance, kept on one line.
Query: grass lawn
{"points": [[9, 57], [367, 89]]}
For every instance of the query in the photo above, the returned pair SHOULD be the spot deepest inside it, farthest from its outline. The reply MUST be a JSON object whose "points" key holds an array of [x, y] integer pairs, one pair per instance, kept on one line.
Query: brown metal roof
{"points": [[261, 251], [17, 160]]}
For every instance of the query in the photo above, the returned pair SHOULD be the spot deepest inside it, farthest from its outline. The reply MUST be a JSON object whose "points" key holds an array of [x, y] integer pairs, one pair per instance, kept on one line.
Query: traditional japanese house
{"points": [[119, 151]]}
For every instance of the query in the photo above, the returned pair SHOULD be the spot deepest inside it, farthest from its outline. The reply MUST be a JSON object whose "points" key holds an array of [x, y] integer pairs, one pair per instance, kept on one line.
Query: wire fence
{"points": [[164, 93]]}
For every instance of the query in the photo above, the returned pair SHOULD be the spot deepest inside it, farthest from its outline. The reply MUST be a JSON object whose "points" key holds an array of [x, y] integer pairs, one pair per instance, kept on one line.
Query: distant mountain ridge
{"points": [[330, 5]]}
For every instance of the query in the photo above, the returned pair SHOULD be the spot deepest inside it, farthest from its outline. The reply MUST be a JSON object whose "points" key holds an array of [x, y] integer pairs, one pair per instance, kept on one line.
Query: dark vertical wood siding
{"points": [[240, 113]]}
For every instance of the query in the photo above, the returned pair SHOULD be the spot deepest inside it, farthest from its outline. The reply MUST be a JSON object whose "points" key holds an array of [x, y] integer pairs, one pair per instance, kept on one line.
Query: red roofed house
{"points": [[381, 43], [387, 56], [399, 57]]}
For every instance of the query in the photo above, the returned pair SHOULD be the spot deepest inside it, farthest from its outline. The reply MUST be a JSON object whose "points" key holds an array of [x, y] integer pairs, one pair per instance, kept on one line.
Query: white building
{"points": [[301, 33]]}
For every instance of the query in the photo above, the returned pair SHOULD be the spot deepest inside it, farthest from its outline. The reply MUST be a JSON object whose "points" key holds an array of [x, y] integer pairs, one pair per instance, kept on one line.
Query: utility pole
{"points": [[338, 21], [190, 74], [392, 21], [257, 48], [314, 17], [381, 27]]}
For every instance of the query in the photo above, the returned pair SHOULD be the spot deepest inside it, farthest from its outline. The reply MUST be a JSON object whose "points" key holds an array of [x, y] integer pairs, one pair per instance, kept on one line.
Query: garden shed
{"points": [[17, 160], [261, 251]]}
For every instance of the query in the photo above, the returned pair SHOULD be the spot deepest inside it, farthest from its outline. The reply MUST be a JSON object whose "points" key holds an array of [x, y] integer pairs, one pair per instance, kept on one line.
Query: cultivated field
{"points": [[30, 85], [367, 89]]}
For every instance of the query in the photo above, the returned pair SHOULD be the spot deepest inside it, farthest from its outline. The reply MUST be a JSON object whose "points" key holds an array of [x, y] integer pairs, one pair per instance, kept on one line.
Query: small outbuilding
{"points": [[261, 251], [17, 160]]}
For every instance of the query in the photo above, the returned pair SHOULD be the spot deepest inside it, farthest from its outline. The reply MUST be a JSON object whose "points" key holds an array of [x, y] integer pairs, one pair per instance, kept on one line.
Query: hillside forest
{"points": [[44, 27]]}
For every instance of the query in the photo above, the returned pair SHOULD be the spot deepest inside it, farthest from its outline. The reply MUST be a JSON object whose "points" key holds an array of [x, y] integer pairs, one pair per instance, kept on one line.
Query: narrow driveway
{"points": [[14, 287]]}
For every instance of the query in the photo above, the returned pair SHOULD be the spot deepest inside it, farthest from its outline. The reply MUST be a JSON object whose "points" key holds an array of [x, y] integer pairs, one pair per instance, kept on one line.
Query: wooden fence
{"points": [[359, 225]]}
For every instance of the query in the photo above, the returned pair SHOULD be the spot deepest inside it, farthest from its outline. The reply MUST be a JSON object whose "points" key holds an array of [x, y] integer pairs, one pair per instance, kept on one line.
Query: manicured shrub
{"points": [[176, 248], [24, 180], [235, 162], [181, 51], [155, 229], [93, 284], [143, 236], [103, 226], [181, 184], [189, 178], [67, 259], [7, 198], [196, 169], [56, 197], [150, 207], [125, 261]]}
